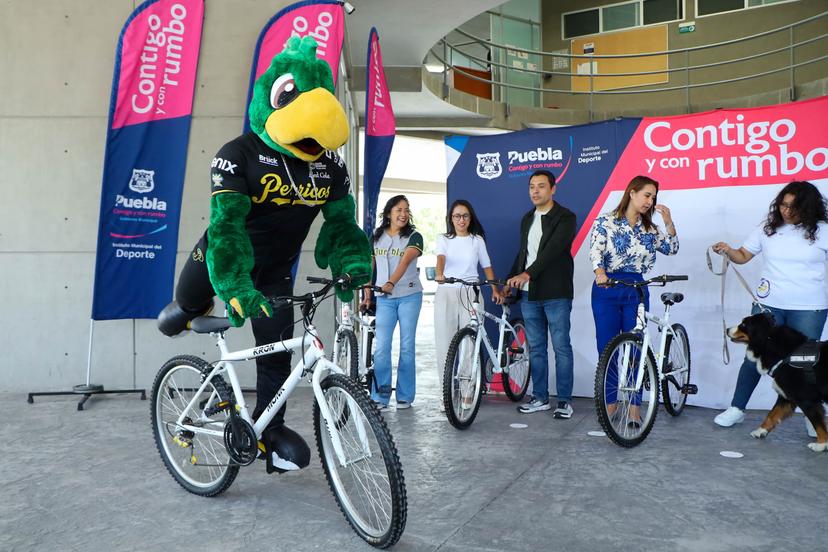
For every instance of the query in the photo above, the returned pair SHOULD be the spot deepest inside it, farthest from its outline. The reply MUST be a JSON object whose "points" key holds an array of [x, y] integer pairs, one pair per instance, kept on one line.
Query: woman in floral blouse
{"points": [[622, 246]]}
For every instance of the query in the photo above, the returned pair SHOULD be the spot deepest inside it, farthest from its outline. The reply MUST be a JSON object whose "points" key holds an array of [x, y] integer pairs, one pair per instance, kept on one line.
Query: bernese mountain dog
{"points": [[799, 369]]}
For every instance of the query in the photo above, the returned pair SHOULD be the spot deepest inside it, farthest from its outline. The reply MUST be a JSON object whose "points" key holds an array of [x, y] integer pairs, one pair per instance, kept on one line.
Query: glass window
{"points": [[622, 16], [709, 7], [753, 3], [581, 23], [659, 11]]}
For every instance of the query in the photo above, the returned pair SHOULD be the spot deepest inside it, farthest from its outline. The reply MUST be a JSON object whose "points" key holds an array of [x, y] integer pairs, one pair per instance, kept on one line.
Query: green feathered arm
{"points": [[230, 258], [343, 246]]}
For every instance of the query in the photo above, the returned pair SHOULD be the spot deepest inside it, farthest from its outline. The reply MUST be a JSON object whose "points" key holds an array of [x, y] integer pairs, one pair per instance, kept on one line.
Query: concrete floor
{"points": [[78, 480]]}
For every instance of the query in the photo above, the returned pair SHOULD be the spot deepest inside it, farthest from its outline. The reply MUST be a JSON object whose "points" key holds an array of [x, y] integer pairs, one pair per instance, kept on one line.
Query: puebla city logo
{"points": [[142, 181], [488, 165]]}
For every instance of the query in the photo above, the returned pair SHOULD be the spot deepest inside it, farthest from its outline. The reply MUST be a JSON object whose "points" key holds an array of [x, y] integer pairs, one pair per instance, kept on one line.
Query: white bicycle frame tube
{"points": [[362, 337], [313, 357], [642, 319], [483, 338]]}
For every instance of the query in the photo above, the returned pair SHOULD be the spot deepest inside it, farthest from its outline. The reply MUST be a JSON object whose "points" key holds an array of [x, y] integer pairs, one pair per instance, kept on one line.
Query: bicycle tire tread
{"points": [[385, 441], [224, 393]]}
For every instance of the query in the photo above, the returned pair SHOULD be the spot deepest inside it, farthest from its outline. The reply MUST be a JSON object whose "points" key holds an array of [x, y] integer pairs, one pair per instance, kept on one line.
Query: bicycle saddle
{"points": [[672, 298], [208, 324]]}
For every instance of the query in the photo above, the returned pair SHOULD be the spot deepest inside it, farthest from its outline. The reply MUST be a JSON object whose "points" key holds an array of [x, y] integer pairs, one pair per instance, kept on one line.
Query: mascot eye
{"points": [[283, 91]]}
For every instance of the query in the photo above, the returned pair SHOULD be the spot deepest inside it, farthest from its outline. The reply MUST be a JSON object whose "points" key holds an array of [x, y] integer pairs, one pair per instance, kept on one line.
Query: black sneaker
{"points": [[563, 411]]}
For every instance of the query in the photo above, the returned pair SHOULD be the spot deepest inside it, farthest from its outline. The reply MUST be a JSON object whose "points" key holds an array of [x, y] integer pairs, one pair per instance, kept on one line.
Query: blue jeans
{"points": [[614, 310], [554, 315], [406, 311], [808, 322]]}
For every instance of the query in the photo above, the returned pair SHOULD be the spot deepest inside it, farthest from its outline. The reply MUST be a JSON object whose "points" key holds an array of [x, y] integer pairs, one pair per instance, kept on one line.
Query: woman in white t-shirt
{"points": [[459, 252], [794, 242]]}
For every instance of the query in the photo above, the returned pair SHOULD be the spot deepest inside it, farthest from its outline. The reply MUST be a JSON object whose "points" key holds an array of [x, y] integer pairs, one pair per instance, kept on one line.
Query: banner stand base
{"points": [[87, 390]]}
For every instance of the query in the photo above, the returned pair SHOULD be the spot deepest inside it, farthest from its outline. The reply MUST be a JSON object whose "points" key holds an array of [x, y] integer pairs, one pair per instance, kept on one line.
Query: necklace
{"points": [[293, 184]]}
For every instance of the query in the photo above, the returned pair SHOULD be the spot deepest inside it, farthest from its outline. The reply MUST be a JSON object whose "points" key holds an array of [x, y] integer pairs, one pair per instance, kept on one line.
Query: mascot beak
{"points": [[309, 125]]}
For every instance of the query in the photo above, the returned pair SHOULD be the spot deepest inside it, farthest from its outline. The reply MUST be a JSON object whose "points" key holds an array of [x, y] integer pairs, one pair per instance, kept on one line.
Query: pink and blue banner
{"points": [[718, 172], [380, 129], [144, 163], [324, 20]]}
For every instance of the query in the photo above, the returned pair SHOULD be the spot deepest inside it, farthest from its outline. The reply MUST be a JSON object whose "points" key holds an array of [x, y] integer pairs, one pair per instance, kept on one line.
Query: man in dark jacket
{"points": [[544, 270]]}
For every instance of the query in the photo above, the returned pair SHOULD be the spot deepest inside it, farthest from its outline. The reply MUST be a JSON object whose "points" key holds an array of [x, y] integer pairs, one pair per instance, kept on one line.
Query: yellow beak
{"points": [[309, 125]]}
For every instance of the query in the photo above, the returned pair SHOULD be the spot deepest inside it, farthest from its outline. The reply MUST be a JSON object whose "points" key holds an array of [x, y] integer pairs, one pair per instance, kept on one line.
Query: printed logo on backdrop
{"points": [[524, 162], [142, 181], [488, 165]]}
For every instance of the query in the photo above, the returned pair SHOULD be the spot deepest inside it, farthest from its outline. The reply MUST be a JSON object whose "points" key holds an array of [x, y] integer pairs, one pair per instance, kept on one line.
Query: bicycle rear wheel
{"points": [[346, 353], [196, 458], [626, 414], [677, 371], [462, 379], [369, 488], [516, 373]]}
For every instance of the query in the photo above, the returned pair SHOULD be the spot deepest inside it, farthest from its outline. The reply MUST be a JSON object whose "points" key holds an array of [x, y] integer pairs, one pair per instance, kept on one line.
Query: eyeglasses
{"points": [[458, 216], [787, 206]]}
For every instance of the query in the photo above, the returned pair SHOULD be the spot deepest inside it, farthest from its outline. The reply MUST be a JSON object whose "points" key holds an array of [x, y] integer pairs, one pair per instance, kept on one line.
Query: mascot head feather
{"points": [[293, 109]]}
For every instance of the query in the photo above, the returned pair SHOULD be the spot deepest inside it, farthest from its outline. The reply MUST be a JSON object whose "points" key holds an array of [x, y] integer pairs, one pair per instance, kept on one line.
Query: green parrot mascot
{"points": [[267, 187]]}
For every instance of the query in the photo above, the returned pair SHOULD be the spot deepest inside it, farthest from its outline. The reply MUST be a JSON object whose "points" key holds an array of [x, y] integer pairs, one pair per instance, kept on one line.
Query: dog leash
{"points": [[726, 264]]}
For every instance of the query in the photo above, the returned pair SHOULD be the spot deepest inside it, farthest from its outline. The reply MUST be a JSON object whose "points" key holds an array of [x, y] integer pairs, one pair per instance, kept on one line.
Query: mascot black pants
{"points": [[194, 294]]}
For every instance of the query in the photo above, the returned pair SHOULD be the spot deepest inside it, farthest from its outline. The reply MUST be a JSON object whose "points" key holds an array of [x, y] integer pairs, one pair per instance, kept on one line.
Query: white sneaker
{"points": [[534, 406], [729, 417], [810, 428]]}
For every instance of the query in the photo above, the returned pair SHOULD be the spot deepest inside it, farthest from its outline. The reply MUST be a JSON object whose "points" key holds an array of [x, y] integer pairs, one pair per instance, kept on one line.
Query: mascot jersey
{"points": [[267, 188], [286, 194]]}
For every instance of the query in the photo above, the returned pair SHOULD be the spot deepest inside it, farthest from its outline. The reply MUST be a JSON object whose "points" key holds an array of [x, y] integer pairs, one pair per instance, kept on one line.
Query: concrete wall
{"points": [[56, 62]]}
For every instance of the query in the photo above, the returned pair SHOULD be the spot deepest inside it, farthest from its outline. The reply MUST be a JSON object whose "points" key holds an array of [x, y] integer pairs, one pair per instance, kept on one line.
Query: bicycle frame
{"points": [[313, 361], [478, 314], [363, 332], [642, 319]]}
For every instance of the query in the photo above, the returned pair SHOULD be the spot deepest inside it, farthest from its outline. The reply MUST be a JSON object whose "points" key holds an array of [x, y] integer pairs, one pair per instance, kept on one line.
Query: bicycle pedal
{"points": [[690, 389], [516, 350]]}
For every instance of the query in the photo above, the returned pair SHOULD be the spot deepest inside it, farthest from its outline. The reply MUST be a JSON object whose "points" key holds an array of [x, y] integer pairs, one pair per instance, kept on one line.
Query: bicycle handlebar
{"points": [[472, 283], [664, 279]]}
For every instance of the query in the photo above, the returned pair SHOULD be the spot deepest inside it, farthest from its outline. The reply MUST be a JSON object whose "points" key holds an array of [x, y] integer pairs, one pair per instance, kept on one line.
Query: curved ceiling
{"points": [[407, 30]]}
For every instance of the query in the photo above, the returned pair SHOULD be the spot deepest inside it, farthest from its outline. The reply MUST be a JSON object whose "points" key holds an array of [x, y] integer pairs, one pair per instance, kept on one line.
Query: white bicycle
{"points": [[630, 372], [354, 346], [465, 375], [204, 431]]}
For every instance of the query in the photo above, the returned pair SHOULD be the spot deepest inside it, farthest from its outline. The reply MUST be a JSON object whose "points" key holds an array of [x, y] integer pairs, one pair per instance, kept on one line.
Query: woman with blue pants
{"points": [[622, 246], [396, 248]]}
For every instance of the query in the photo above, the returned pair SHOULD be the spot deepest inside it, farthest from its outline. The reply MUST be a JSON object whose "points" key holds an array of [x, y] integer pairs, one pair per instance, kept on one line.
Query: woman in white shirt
{"points": [[794, 241], [459, 252]]}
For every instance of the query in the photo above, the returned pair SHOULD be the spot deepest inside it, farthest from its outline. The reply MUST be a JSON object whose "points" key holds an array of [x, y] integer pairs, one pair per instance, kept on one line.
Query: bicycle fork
{"points": [[331, 423]]}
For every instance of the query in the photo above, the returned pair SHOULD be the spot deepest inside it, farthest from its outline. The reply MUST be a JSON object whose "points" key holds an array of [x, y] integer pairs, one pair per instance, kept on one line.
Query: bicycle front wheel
{"points": [[677, 371], [462, 379], [196, 456], [516, 373], [368, 481], [627, 412], [346, 353]]}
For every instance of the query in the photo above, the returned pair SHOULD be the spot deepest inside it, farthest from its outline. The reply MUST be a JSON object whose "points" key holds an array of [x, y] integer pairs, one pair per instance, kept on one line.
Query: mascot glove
{"points": [[248, 304], [360, 270]]}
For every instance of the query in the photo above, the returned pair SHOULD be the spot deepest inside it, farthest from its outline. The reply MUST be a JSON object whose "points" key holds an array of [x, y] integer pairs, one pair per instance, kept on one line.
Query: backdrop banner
{"points": [[718, 172], [145, 159], [324, 20], [380, 128]]}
